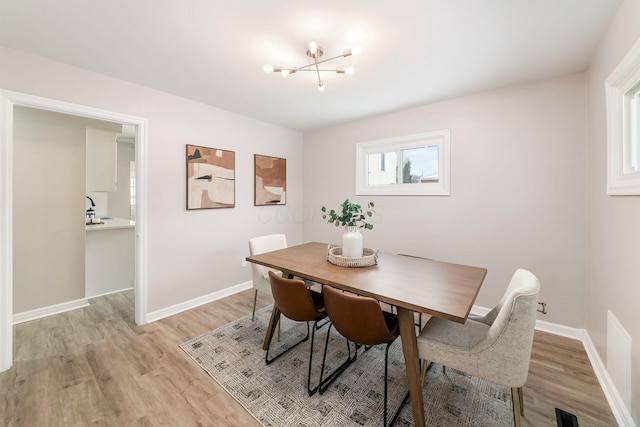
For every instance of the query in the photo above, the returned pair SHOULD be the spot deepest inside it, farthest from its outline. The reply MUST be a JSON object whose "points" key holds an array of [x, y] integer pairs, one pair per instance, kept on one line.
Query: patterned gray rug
{"points": [[276, 394]]}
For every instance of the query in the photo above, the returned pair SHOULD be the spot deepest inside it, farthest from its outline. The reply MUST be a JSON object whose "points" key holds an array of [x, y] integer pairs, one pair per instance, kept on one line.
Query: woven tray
{"points": [[369, 258]]}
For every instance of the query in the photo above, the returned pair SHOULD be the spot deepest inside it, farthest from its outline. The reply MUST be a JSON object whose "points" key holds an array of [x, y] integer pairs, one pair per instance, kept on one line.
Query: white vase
{"points": [[352, 242]]}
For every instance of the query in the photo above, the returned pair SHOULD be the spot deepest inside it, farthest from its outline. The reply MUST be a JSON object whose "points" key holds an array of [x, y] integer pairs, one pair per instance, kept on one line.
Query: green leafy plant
{"points": [[352, 215]]}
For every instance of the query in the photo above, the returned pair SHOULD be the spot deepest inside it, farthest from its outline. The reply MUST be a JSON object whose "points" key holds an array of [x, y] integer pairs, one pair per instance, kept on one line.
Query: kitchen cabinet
{"points": [[102, 160], [109, 257]]}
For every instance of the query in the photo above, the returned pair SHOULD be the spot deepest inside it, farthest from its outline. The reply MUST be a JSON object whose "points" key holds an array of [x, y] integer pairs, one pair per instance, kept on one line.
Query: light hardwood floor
{"points": [[95, 366]]}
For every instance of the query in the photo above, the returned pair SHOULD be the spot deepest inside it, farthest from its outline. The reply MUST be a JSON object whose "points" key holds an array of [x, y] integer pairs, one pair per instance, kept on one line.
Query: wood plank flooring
{"points": [[94, 366]]}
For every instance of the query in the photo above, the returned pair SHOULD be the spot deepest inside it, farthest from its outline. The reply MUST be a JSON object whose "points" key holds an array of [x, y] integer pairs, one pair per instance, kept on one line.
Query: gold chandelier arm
{"points": [[322, 70], [315, 59], [314, 52]]}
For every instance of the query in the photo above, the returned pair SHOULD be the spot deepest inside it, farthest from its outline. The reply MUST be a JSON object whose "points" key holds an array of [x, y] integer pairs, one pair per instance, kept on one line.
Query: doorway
{"points": [[8, 102]]}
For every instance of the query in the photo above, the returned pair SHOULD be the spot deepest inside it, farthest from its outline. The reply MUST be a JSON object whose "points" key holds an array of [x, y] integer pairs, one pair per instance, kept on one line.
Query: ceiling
{"points": [[414, 51]]}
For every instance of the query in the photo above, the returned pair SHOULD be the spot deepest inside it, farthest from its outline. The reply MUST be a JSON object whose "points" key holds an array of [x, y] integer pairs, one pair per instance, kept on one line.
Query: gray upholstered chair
{"points": [[495, 347], [259, 245]]}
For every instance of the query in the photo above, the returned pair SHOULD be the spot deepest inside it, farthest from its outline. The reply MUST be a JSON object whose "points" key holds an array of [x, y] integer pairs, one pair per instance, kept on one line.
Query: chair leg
{"points": [[423, 373], [515, 400], [320, 325], [386, 378], [310, 390], [426, 365], [266, 357], [326, 382], [521, 398], [255, 300]]}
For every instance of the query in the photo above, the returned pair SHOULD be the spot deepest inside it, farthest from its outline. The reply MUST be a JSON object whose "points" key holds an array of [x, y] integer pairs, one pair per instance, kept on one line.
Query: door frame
{"points": [[10, 99]]}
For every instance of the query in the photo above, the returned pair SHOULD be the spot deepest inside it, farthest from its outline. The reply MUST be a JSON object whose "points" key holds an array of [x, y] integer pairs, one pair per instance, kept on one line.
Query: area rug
{"points": [[276, 395]]}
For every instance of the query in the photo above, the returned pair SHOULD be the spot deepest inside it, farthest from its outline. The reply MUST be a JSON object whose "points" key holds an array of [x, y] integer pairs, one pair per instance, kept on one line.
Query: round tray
{"points": [[369, 257]]}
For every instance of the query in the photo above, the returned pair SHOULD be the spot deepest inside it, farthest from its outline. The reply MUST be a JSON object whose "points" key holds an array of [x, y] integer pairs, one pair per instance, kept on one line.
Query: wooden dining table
{"points": [[411, 284]]}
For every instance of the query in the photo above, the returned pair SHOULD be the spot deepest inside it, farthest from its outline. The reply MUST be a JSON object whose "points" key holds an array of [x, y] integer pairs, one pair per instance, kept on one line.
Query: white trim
{"points": [[561, 330], [110, 292], [7, 101], [441, 138], [38, 313], [616, 403], [620, 411], [541, 325], [6, 234], [623, 77], [197, 302]]}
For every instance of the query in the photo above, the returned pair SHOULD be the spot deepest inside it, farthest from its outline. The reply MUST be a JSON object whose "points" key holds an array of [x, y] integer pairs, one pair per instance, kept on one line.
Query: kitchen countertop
{"points": [[111, 224]]}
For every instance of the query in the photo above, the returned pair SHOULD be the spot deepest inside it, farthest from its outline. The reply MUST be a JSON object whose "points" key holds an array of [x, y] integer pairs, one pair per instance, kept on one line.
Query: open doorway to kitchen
{"points": [[32, 199]]}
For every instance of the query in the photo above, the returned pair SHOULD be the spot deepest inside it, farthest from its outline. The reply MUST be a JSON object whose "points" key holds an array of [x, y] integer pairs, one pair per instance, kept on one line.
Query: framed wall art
{"points": [[270, 180], [210, 178]]}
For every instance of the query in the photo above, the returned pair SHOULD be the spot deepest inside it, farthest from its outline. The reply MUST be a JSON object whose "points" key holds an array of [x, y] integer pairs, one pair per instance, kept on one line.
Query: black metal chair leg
{"points": [[386, 377], [320, 325], [310, 390], [326, 382], [266, 357]]}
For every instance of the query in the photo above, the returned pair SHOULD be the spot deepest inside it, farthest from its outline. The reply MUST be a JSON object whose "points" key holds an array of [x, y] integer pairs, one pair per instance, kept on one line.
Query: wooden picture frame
{"points": [[210, 178], [270, 180]]}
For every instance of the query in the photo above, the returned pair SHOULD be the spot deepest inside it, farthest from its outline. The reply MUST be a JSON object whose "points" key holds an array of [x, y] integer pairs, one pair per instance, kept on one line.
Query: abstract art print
{"points": [[210, 178], [270, 180]]}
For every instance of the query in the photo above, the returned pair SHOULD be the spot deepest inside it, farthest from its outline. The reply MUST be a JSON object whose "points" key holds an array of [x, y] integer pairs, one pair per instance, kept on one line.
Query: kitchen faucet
{"points": [[90, 213]]}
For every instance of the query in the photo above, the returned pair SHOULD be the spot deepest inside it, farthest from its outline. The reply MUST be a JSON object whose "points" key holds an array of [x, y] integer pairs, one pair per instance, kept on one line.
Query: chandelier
{"points": [[314, 53]]}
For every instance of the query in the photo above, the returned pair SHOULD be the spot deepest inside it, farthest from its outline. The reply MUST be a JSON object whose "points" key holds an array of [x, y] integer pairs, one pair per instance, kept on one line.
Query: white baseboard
{"points": [[616, 403], [38, 313], [563, 331], [196, 302], [619, 409], [109, 293], [541, 325]]}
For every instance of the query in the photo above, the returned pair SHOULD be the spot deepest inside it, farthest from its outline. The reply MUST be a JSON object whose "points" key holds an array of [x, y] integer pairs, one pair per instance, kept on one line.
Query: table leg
{"points": [[275, 316], [410, 349]]}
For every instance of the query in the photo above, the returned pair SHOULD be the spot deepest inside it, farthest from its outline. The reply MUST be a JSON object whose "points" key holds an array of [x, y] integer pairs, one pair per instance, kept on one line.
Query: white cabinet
{"points": [[109, 258], [102, 160]]}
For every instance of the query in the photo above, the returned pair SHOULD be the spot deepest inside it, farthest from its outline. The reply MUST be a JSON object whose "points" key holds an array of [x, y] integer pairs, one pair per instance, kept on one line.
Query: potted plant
{"points": [[352, 217]]}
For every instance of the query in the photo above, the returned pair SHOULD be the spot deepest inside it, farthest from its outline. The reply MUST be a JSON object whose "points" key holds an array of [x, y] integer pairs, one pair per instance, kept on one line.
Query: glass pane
{"points": [[382, 168], [420, 165]]}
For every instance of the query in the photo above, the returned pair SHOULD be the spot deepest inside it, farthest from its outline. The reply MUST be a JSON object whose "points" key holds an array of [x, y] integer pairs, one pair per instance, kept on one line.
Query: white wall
{"points": [[518, 196], [614, 222], [190, 253], [48, 207]]}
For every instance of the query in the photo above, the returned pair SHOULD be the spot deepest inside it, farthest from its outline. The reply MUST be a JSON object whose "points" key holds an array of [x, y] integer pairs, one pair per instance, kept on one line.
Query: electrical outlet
{"points": [[243, 263]]}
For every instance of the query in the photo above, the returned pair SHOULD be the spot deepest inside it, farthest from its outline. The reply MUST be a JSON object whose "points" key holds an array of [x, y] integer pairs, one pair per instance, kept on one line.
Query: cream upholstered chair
{"points": [[495, 347], [259, 245]]}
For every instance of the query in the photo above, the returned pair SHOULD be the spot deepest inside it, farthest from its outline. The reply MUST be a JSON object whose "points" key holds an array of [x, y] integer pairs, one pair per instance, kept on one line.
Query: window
{"points": [[409, 165], [623, 126]]}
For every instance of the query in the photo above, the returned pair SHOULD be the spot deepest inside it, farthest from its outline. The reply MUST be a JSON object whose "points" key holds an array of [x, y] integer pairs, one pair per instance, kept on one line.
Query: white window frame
{"points": [[441, 138], [622, 177]]}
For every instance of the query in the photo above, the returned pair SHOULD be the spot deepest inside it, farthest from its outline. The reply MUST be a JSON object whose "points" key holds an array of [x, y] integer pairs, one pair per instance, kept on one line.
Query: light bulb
{"points": [[321, 86], [268, 68], [349, 70], [356, 50], [313, 47], [284, 72]]}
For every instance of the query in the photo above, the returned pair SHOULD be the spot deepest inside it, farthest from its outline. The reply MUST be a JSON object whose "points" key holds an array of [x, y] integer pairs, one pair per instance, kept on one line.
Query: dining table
{"points": [[411, 284]]}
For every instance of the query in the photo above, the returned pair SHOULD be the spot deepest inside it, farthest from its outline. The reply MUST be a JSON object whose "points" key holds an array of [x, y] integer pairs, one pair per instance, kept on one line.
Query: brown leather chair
{"points": [[293, 299], [361, 320]]}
